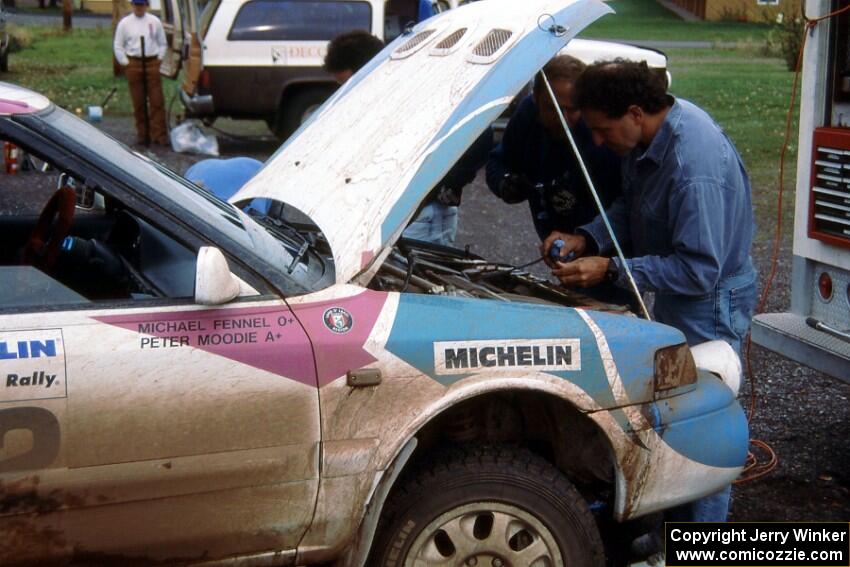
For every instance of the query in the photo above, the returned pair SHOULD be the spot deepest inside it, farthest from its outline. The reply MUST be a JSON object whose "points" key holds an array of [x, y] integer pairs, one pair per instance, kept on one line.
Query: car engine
{"points": [[420, 267]]}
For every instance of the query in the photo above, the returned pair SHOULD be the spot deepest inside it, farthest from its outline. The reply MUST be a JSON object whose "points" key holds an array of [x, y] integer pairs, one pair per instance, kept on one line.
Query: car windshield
{"points": [[176, 193]]}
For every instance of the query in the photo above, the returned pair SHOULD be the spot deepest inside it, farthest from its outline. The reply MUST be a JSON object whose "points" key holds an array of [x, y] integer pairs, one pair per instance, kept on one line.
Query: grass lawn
{"points": [[748, 94], [646, 19], [74, 70]]}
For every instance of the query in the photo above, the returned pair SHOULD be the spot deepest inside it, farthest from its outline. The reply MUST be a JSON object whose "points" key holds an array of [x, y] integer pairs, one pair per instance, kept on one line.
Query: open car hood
{"points": [[362, 164]]}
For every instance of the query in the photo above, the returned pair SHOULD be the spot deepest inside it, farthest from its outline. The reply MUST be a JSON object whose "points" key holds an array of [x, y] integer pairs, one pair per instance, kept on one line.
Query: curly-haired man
{"points": [[686, 212]]}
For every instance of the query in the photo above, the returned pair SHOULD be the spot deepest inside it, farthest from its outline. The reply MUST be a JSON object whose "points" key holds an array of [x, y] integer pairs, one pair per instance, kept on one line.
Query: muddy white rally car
{"points": [[185, 382]]}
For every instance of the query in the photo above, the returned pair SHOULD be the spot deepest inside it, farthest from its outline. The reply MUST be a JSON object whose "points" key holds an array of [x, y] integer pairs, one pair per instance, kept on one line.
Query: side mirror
{"points": [[214, 284]]}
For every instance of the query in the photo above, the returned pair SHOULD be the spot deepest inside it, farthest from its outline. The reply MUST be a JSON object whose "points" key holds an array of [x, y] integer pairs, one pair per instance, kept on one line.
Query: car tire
{"points": [[487, 505], [297, 109]]}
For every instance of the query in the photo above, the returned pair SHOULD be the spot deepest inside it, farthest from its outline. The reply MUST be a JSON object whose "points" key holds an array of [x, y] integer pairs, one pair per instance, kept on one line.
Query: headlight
{"points": [[674, 367]]}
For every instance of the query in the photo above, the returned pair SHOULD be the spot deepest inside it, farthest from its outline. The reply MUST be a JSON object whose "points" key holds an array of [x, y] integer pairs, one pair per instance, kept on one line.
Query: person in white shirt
{"points": [[139, 47]]}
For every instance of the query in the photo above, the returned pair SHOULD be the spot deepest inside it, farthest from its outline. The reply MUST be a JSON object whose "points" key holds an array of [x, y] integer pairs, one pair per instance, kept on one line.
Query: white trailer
{"points": [[816, 330]]}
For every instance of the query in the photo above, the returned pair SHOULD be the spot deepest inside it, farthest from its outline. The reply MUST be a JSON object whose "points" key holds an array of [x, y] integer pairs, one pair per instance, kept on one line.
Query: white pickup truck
{"points": [[262, 59]]}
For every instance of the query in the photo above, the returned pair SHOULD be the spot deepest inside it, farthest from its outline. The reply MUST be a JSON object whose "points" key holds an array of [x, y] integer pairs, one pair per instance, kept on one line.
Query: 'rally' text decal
{"points": [[32, 365]]}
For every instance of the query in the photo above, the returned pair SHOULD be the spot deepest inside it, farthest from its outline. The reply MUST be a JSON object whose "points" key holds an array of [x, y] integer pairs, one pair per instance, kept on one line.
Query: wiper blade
{"points": [[284, 230], [298, 255], [281, 228]]}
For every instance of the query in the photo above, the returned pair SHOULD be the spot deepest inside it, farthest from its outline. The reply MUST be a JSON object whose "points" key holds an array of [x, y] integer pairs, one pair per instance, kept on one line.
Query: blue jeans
{"points": [[725, 314], [436, 223], [711, 508]]}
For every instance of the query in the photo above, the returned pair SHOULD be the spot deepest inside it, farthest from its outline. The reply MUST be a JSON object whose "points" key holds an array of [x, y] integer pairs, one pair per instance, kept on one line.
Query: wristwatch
{"points": [[612, 272]]}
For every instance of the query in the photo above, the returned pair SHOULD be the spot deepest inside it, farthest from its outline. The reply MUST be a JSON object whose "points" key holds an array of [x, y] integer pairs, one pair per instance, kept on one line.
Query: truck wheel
{"points": [[487, 506], [297, 109]]}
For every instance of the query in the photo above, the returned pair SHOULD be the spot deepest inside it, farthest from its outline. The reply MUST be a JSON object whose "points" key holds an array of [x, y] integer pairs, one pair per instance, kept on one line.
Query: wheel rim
{"points": [[485, 534]]}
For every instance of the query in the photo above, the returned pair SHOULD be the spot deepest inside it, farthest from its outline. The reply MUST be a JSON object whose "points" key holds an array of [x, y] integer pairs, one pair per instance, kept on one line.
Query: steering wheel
{"points": [[54, 224]]}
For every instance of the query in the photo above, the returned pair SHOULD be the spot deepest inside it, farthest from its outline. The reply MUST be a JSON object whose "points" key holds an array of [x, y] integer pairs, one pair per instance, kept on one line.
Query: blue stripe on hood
{"points": [[423, 320]]}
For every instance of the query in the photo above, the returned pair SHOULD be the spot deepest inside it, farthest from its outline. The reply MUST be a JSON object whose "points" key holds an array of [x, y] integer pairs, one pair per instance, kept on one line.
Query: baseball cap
{"points": [[139, 2]]}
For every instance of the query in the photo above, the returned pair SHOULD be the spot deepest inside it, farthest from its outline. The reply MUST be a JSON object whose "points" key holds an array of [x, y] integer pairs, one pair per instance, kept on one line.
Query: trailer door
{"points": [[174, 22]]}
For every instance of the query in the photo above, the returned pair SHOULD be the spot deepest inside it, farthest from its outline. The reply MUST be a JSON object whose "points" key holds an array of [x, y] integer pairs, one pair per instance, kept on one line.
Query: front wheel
{"points": [[486, 506], [297, 109]]}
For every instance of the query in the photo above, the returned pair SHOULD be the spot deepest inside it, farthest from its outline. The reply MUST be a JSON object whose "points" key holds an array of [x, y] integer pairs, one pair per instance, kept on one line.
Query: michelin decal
{"points": [[32, 365], [465, 357]]}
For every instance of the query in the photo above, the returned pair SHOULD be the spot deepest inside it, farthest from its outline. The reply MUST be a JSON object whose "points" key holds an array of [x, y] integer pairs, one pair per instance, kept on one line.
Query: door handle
{"points": [[364, 377]]}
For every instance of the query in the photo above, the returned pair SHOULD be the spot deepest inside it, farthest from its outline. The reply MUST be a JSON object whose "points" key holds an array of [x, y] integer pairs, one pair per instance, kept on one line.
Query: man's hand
{"points": [[584, 272], [514, 188], [575, 243]]}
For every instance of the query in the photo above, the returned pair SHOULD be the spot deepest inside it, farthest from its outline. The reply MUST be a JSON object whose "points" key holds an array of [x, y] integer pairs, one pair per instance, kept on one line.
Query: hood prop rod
{"points": [[596, 198]]}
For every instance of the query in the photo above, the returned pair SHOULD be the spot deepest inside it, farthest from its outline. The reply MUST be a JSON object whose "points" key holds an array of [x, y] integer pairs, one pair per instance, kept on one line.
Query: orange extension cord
{"points": [[756, 468]]}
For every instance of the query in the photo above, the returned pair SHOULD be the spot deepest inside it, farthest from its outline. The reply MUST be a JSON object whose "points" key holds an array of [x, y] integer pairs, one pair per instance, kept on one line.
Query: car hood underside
{"points": [[363, 163]]}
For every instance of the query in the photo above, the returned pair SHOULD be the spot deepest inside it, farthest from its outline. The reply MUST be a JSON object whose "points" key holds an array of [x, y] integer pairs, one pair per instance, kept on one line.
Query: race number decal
{"points": [[32, 365], [43, 439]]}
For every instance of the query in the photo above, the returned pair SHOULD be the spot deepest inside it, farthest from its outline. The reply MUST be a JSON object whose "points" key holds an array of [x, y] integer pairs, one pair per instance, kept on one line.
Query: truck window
{"points": [[294, 20]]}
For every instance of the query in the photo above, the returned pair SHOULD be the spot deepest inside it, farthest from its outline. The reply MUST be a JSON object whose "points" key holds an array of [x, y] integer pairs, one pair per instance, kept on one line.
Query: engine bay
{"points": [[419, 267]]}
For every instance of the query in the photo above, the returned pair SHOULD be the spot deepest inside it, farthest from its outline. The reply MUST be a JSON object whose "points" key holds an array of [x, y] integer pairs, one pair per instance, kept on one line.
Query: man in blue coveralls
{"points": [[685, 211]]}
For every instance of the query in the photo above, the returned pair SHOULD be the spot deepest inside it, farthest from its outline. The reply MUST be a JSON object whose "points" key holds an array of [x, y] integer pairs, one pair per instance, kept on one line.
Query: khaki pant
{"points": [[136, 71]]}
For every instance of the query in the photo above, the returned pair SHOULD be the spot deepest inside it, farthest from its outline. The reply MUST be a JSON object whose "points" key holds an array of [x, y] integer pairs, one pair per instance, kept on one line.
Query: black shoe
{"points": [[647, 546]]}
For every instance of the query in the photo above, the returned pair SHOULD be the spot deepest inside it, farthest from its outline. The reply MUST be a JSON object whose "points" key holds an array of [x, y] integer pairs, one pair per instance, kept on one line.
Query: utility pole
{"points": [[67, 10]]}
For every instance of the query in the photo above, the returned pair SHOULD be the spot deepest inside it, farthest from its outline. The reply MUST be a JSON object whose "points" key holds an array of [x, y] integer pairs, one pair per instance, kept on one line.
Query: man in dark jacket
{"points": [[534, 161]]}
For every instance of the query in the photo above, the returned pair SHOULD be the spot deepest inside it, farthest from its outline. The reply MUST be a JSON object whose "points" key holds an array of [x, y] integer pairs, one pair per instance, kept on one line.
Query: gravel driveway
{"points": [[802, 414]]}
